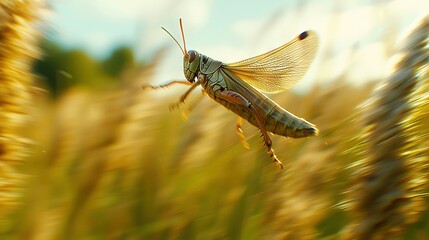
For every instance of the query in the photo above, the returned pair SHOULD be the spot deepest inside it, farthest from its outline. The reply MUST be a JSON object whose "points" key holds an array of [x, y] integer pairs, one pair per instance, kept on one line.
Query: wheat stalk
{"points": [[386, 195], [18, 49]]}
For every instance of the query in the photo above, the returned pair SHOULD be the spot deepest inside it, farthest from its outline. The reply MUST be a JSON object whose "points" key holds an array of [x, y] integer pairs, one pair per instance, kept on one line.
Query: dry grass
{"points": [[389, 181], [118, 165], [17, 49]]}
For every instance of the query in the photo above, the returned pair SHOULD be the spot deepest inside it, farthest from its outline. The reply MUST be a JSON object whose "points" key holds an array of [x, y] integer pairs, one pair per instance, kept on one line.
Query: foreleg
{"points": [[167, 84], [184, 96]]}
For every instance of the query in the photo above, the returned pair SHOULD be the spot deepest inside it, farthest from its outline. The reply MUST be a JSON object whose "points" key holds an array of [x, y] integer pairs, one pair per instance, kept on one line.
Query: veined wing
{"points": [[280, 68]]}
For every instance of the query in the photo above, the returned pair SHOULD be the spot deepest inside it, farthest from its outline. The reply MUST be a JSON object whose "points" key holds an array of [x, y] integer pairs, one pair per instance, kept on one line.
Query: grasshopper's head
{"points": [[191, 65], [191, 59]]}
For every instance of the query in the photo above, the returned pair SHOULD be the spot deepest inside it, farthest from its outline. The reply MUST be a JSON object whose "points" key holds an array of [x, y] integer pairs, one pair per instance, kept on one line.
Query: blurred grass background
{"points": [[87, 154]]}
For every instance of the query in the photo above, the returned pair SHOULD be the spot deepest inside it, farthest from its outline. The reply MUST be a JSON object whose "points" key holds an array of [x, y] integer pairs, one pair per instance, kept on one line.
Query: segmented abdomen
{"points": [[276, 119], [281, 122]]}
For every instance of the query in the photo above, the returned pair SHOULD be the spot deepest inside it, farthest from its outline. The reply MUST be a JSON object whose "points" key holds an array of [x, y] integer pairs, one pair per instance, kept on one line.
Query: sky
{"points": [[357, 37]]}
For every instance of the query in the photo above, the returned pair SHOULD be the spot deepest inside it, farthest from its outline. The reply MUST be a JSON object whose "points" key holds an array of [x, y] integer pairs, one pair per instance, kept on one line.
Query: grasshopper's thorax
{"points": [[191, 65]]}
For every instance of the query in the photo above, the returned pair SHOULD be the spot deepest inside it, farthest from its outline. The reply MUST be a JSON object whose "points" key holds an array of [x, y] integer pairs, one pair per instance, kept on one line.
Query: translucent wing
{"points": [[280, 68]]}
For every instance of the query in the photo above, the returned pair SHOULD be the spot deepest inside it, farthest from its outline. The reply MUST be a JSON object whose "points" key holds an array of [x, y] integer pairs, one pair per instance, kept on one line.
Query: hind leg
{"points": [[236, 98]]}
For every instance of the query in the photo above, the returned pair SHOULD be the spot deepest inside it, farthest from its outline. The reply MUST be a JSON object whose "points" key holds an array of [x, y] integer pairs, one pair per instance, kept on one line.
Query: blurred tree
{"points": [[121, 59], [60, 68], [79, 68], [47, 67]]}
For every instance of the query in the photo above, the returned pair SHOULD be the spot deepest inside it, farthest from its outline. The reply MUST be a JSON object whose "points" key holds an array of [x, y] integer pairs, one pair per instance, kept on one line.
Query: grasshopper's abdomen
{"points": [[281, 122], [276, 119]]}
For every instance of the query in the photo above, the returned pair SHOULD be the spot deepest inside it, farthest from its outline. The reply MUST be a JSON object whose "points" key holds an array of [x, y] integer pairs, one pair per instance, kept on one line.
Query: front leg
{"points": [[144, 87], [236, 98], [184, 96], [192, 105]]}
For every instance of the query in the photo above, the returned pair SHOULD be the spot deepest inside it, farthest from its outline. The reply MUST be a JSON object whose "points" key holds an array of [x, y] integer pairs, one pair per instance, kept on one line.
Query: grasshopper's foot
{"points": [[185, 114], [242, 138], [146, 87], [240, 133], [274, 158], [174, 106]]}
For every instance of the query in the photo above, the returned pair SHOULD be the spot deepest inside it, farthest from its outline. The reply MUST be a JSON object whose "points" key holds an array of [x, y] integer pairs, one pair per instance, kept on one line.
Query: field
{"points": [[115, 163]]}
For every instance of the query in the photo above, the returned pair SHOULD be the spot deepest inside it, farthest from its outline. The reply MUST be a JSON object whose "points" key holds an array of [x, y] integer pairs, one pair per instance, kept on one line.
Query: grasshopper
{"points": [[239, 86]]}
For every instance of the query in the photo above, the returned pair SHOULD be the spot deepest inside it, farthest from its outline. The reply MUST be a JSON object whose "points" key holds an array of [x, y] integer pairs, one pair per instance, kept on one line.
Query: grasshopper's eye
{"points": [[192, 55]]}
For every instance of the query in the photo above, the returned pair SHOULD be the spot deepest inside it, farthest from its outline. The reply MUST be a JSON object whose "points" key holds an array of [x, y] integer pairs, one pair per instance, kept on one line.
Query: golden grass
{"points": [[17, 49], [389, 181], [116, 164]]}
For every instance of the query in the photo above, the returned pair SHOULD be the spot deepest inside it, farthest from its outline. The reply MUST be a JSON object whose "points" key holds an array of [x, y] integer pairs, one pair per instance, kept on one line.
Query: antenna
{"points": [[183, 36], [178, 44]]}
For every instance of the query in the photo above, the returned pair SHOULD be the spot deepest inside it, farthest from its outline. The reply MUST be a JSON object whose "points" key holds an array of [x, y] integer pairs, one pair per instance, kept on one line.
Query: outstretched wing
{"points": [[280, 68]]}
